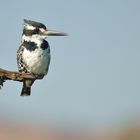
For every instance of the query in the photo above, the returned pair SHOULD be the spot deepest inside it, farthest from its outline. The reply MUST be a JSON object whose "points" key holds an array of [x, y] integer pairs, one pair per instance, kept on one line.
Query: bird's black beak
{"points": [[55, 33]]}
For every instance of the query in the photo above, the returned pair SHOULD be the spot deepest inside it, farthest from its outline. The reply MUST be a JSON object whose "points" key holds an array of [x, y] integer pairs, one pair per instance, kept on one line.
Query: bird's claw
{"points": [[38, 76]]}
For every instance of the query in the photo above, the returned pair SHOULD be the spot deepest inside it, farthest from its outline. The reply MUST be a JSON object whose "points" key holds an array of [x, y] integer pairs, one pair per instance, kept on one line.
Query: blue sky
{"points": [[94, 76]]}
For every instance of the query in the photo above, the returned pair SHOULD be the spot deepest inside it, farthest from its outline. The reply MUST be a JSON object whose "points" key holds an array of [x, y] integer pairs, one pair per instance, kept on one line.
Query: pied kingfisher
{"points": [[33, 56]]}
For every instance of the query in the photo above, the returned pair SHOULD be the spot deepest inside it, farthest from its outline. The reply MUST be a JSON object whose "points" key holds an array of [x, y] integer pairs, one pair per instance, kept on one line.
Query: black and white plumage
{"points": [[33, 56]]}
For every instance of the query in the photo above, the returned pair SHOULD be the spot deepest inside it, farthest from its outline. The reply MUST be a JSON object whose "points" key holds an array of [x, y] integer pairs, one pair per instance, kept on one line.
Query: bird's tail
{"points": [[26, 89]]}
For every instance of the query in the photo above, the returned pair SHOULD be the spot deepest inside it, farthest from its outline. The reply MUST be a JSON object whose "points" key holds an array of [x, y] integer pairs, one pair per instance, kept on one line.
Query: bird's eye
{"points": [[37, 30]]}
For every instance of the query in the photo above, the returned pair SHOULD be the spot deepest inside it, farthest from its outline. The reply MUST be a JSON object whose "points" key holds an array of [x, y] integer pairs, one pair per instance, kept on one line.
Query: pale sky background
{"points": [[94, 75]]}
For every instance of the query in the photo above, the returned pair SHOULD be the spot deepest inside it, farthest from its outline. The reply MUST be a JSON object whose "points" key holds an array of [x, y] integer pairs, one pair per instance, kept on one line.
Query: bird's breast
{"points": [[37, 61]]}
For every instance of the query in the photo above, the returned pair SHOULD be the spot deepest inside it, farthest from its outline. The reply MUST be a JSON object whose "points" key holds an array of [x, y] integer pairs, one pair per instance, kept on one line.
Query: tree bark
{"points": [[16, 76]]}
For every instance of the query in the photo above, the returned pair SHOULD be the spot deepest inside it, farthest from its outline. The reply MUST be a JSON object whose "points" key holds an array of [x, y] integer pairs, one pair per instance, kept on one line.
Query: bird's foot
{"points": [[38, 76]]}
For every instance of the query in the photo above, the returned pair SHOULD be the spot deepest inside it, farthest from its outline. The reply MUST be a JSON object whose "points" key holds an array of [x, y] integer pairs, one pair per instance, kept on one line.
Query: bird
{"points": [[33, 55]]}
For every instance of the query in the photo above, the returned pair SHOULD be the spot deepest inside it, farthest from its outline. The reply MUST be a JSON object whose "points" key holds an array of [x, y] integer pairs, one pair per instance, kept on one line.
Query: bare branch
{"points": [[16, 76]]}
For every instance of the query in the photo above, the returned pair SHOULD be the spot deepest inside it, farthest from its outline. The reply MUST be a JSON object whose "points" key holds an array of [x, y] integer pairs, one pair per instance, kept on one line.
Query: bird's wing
{"points": [[20, 62]]}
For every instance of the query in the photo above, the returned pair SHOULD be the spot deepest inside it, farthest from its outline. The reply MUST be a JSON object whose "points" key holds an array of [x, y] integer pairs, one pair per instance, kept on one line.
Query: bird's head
{"points": [[37, 31]]}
